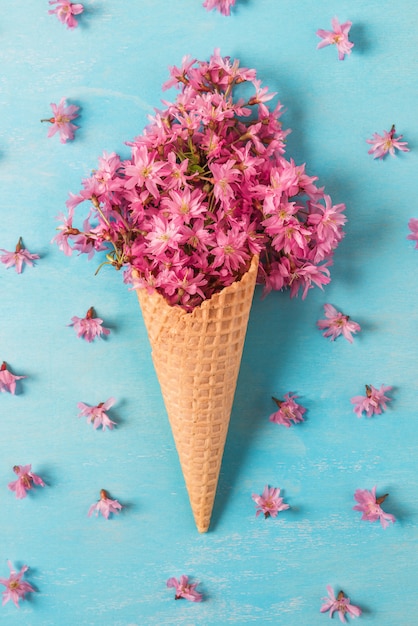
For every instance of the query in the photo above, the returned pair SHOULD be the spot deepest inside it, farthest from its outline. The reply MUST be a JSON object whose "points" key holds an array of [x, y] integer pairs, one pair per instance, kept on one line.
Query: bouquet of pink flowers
{"points": [[207, 186]]}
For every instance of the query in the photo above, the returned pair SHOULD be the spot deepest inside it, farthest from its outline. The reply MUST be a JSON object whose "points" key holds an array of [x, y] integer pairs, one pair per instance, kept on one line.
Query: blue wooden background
{"points": [[91, 571]]}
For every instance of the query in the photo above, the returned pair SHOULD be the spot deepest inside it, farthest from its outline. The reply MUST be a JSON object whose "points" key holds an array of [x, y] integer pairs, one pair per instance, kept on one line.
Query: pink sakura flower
{"points": [[89, 327], [369, 505], [16, 588], [62, 120], [337, 324], [26, 479], [413, 227], [341, 604], [97, 414], [65, 11], [338, 36], [184, 589], [270, 502], [386, 143], [17, 258], [105, 506], [223, 6], [7, 379], [374, 402], [289, 411]]}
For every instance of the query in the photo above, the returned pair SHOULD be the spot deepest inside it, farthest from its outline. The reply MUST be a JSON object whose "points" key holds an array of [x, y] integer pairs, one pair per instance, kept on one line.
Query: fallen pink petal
{"points": [[288, 412], [65, 12], [336, 324], [7, 379], [369, 505], [97, 414], [26, 479], [373, 403], [105, 506], [89, 327], [338, 36], [269, 502], [16, 588], [387, 143], [341, 603], [61, 121], [18, 258], [184, 589]]}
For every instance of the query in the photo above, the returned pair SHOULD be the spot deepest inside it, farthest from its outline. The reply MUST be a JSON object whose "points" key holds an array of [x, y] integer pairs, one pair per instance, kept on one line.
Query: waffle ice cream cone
{"points": [[197, 357]]}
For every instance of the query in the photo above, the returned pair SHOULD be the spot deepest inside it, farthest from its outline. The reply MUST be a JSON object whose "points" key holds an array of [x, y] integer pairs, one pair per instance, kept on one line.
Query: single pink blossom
{"points": [[369, 505], [184, 589], [223, 6], [341, 604], [97, 414], [7, 379], [337, 324], [374, 402], [65, 11], [17, 258], [289, 411], [270, 502], [16, 588], [26, 479], [105, 505], [62, 120], [338, 37], [89, 327], [413, 227], [386, 143]]}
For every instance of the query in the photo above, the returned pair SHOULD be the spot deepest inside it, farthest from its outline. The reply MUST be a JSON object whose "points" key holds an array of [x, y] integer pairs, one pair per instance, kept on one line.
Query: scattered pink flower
{"points": [[89, 327], [184, 589], [369, 505], [386, 143], [374, 402], [338, 37], [413, 227], [26, 479], [7, 379], [97, 414], [65, 11], [62, 120], [337, 324], [270, 502], [17, 258], [289, 411], [341, 604], [223, 6], [16, 588], [105, 505]]}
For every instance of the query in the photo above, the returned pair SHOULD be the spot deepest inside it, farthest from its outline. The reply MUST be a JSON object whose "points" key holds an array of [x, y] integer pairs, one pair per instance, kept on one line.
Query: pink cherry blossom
{"points": [[289, 411], [89, 327], [369, 505], [373, 403], [7, 379], [26, 479], [269, 502], [65, 11], [97, 414], [341, 603], [184, 589], [413, 227], [16, 588], [105, 506], [386, 144], [18, 258], [338, 36], [337, 324], [61, 121]]}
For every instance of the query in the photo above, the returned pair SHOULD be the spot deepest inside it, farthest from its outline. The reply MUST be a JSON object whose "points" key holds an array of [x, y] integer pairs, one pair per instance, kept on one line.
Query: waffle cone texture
{"points": [[197, 358]]}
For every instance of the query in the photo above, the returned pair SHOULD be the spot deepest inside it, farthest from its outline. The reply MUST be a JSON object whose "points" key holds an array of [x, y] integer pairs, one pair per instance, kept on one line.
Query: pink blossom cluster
{"points": [[207, 186]]}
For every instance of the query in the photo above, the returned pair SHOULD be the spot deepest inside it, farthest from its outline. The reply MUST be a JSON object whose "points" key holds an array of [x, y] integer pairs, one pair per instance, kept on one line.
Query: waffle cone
{"points": [[197, 357]]}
